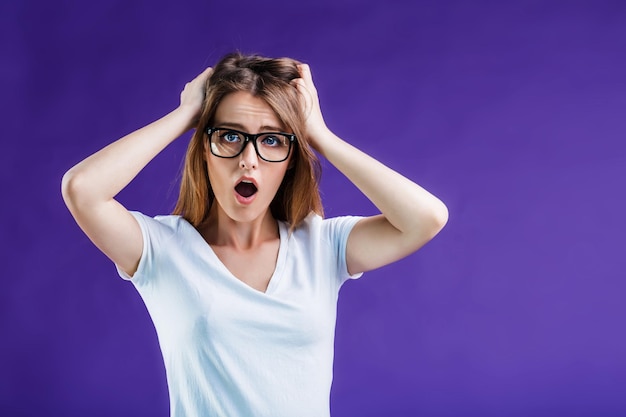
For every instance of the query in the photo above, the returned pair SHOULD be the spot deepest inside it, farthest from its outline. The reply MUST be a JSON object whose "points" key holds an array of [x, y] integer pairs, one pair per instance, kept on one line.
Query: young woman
{"points": [[242, 280]]}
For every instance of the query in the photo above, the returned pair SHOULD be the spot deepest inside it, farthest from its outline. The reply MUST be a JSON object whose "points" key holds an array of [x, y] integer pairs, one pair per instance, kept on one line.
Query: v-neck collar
{"points": [[278, 269]]}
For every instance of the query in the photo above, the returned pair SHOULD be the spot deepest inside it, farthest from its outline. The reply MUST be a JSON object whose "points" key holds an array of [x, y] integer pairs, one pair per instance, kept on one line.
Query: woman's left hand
{"points": [[314, 121], [410, 215]]}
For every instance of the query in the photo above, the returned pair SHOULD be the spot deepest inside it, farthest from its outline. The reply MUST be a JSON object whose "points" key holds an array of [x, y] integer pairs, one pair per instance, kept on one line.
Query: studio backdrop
{"points": [[512, 112]]}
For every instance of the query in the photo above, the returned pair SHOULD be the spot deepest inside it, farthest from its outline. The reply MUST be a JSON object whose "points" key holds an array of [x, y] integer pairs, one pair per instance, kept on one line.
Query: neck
{"points": [[221, 230]]}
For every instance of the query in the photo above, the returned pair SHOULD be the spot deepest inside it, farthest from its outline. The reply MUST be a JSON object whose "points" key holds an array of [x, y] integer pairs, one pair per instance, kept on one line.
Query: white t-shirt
{"points": [[231, 350]]}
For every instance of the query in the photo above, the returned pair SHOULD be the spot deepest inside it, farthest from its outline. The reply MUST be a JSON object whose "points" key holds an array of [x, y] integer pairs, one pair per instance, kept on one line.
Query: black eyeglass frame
{"points": [[250, 138]]}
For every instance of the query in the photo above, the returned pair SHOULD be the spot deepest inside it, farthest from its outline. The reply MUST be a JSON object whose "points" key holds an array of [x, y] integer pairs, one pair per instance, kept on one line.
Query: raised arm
{"points": [[410, 215], [90, 186]]}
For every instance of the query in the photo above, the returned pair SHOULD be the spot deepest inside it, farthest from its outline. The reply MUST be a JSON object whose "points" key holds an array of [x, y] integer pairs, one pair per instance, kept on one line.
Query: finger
{"points": [[306, 98], [303, 89], [305, 71], [300, 86], [305, 74], [297, 82], [207, 71], [204, 75]]}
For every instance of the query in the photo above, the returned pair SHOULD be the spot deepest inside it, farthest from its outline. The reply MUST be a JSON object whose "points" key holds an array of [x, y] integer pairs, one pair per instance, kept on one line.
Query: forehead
{"points": [[242, 109]]}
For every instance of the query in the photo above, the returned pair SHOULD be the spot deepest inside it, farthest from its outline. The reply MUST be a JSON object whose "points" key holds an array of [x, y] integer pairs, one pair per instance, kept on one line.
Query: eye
{"points": [[271, 140], [231, 137]]}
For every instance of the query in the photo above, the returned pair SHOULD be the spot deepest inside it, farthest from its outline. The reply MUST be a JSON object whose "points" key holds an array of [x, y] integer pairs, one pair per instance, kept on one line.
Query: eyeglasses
{"points": [[269, 146]]}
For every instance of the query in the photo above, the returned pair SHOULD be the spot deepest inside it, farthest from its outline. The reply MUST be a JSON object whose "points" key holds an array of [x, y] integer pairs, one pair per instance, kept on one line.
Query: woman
{"points": [[242, 280]]}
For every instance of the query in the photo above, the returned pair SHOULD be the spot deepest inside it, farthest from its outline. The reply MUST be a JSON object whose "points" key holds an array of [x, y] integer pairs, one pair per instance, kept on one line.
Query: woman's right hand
{"points": [[89, 188], [192, 97]]}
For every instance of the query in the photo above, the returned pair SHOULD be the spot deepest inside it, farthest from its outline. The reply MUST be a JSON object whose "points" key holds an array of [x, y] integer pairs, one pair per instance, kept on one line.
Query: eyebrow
{"points": [[237, 126]]}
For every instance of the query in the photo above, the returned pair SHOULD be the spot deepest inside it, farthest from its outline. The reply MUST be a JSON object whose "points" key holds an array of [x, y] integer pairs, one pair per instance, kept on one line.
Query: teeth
{"points": [[246, 181]]}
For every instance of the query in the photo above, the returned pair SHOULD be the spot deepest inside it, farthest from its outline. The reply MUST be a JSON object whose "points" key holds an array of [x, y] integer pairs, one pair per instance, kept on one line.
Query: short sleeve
{"points": [[154, 234], [337, 230]]}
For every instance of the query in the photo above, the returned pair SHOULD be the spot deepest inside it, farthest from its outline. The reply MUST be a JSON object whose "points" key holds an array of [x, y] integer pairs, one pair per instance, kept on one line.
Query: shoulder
{"points": [[324, 242], [325, 229], [162, 225], [167, 220]]}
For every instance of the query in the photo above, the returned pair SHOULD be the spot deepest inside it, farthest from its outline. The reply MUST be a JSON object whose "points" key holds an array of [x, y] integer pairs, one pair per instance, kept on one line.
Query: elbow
{"points": [[438, 218], [441, 216], [427, 225], [72, 188]]}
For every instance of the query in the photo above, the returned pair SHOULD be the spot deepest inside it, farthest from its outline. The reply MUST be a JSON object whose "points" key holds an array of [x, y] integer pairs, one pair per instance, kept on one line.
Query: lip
{"points": [[249, 179], [244, 200]]}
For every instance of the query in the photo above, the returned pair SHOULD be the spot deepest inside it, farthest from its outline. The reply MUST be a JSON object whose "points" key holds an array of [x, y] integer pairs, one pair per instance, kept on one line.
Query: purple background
{"points": [[512, 112]]}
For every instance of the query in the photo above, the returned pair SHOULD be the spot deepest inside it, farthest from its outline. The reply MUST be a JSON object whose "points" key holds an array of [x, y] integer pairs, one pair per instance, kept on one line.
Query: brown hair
{"points": [[269, 79]]}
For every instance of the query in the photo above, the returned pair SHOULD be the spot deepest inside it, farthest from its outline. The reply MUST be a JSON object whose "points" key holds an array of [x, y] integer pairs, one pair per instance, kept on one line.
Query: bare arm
{"points": [[90, 186], [410, 215]]}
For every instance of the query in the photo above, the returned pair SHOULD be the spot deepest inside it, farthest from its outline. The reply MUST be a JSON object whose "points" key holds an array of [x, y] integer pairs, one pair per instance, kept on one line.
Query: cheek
{"points": [[213, 172], [280, 175]]}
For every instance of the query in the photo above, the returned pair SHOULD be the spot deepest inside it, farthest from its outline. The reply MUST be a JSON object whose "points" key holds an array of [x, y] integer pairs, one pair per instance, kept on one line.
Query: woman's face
{"points": [[244, 186]]}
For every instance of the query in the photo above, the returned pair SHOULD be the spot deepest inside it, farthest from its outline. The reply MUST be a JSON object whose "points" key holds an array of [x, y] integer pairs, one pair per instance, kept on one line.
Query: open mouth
{"points": [[245, 189]]}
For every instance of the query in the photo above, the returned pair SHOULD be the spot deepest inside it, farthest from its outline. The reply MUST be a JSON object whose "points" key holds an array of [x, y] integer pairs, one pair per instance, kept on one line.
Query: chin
{"points": [[246, 214]]}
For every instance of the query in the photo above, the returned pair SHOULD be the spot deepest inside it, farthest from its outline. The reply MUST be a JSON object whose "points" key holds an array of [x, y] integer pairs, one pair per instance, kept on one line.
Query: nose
{"points": [[248, 159]]}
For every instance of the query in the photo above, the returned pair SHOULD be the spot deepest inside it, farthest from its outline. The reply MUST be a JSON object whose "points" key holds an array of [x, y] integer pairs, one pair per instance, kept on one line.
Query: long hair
{"points": [[268, 79]]}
